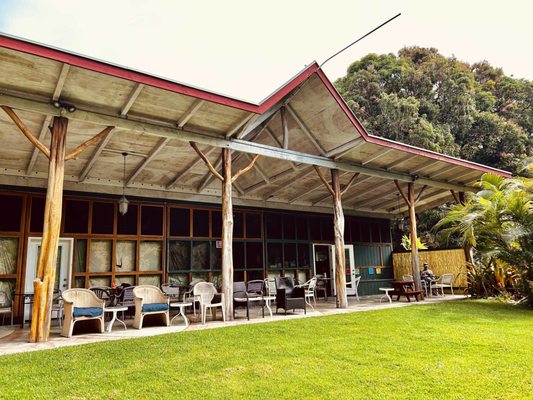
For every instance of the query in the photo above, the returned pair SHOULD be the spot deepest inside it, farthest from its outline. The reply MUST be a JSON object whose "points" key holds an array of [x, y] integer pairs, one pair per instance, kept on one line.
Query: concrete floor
{"points": [[15, 340]]}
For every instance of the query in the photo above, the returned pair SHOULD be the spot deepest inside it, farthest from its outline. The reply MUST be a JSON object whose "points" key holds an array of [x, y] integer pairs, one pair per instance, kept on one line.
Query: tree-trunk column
{"points": [[414, 237], [340, 258], [227, 235], [46, 270]]}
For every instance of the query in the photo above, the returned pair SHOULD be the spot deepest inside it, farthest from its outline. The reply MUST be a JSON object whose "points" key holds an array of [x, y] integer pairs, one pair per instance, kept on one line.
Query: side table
{"points": [[181, 312], [386, 290], [114, 318]]}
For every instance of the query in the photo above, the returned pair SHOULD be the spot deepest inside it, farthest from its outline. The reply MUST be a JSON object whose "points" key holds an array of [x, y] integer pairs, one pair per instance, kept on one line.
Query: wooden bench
{"points": [[405, 288]]}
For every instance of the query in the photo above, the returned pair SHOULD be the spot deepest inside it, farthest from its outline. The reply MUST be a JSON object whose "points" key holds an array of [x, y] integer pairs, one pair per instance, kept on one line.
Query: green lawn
{"points": [[454, 350]]}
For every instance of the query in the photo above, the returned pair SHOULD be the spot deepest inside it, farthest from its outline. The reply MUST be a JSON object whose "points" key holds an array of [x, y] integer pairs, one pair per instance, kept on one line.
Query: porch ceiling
{"points": [[167, 167]]}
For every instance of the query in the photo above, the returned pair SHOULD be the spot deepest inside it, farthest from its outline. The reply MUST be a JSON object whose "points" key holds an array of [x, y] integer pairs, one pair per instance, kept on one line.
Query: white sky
{"points": [[247, 49]]}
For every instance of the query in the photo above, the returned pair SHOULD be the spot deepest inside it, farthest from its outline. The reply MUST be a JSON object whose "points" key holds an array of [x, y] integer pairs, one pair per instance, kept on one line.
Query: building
{"points": [[283, 221]]}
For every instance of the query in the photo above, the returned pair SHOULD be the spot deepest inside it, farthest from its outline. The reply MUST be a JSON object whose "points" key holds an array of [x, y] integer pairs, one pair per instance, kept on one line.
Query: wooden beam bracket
{"points": [[206, 161], [245, 169], [324, 180], [94, 140], [24, 129]]}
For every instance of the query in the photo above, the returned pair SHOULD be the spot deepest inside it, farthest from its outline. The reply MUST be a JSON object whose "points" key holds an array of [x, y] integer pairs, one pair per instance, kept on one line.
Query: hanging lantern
{"points": [[123, 202]]}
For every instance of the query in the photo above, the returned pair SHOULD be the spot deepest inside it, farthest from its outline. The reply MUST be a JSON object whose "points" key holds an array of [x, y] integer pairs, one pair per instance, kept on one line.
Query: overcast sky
{"points": [[247, 49]]}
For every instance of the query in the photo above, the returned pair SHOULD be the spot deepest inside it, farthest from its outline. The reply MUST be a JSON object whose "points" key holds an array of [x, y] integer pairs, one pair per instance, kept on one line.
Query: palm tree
{"points": [[498, 222]]}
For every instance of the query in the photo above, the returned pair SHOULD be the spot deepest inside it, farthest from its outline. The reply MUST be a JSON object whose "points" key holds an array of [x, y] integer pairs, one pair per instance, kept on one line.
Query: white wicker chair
{"points": [[4, 309], [81, 305], [150, 300], [205, 292]]}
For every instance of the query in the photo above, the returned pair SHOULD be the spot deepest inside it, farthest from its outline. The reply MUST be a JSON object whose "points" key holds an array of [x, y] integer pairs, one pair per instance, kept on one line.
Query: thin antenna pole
{"points": [[361, 38]]}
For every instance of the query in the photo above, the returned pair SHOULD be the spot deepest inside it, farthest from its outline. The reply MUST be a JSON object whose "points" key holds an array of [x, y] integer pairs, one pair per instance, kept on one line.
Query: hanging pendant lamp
{"points": [[123, 202]]}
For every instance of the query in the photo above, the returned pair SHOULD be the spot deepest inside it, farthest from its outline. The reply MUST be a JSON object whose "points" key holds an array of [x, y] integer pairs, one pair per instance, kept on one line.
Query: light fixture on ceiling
{"points": [[123, 202]]}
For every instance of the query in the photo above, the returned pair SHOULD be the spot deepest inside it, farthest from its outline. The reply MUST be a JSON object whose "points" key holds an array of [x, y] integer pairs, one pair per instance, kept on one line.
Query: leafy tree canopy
{"points": [[422, 98]]}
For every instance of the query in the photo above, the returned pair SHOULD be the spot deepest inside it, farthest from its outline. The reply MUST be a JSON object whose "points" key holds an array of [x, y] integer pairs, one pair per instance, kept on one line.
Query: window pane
{"points": [[180, 222], [10, 213], [37, 214], [100, 281], [375, 233], [179, 279], [200, 255], [81, 256], [100, 259], [365, 232], [327, 229], [216, 224], [301, 228], [9, 250], [103, 218], [253, 226], [127, 224], [126, 253], [216, 257], [274, 255], [314, 225], [79, 282], [289, 230], [254, 255], [150, 256], [238, 225], [77, 216], [355, 230], [273, 222], [201, 223], [385, 232], [289, 256], [120, 279], [8, 287], [179, 256], [154, 280], [238, 255], [151, 220], [303, 255]]}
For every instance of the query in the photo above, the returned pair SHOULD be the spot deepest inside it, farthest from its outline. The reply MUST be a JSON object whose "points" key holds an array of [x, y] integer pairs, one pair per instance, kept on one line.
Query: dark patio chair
{"points": [[289, 297], [103, 294]]}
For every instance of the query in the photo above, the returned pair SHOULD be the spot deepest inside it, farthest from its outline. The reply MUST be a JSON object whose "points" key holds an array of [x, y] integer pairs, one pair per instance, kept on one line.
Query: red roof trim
{"points": [[400, 146], [139, 77]]}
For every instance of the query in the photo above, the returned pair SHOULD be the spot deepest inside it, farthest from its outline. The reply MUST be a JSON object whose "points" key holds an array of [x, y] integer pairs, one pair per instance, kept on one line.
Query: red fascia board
{"points": [[400, 146], [139, 77]]}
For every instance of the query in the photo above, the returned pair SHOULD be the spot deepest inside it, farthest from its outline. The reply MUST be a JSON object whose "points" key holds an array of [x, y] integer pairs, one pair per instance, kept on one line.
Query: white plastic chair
{"points": [[445, 281], [171, 291], [205, 292], [270, 287], [147, 296], [357, 281], [75, 301], [4, 309], [310, 287]]}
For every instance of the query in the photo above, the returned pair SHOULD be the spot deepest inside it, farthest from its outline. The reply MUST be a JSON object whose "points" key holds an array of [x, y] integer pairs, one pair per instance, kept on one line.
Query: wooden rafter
{"points": [[238, 125], [345, 147], [60, 82], [96, 153], [94, 140], [284, 128], [187, 115], [131, 99], [376, 156], [24, 129], [153, 153], [35, 151], [306, 130], [189, 168], [400, 161], [445, 171], [422, 166], [284, 174]]}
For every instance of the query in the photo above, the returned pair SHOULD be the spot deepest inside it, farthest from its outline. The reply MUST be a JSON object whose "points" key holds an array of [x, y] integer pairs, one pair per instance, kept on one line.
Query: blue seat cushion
{"points": [[155, 307], [87, 311]]}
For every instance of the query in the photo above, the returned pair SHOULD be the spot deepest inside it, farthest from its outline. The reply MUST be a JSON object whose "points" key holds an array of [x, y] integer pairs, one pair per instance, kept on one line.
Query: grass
{"points": [[454, 350]]}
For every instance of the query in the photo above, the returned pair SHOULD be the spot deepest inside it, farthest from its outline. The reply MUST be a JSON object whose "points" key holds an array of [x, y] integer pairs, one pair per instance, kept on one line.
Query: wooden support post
{"points": [[227, 219], [284, 128], [46, 270], [227, 234], [338, 225], [340, 259]]}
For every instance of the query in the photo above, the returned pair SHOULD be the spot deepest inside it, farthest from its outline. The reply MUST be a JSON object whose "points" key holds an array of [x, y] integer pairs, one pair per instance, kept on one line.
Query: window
{"points": [[253, 226], [127, 224], [152, 220], [179, 256], [273, 225], [37, 214], [254, 255], [180, 222], [103, 218], [200, 223], [216, 224], [301, 228], [238, 225], [77, 217], [10, 213]]}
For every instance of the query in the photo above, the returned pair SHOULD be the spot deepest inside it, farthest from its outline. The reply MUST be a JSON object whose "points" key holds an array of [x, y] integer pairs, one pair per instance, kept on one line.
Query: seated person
{"points": [[427, 275]]}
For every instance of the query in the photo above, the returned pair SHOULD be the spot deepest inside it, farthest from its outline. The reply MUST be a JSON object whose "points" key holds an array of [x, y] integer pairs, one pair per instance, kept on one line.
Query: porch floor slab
{"points": [[13, 339]]}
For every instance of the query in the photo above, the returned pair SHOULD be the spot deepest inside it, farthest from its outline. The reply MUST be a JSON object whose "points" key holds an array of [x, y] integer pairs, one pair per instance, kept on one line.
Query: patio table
{"points": [[387, 290]]}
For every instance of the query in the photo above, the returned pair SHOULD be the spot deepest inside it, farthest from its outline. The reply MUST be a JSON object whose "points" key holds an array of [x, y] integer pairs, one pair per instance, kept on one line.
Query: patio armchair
{"points": [[150, 300], [4, 308], [104, 294], [81, 305], [205, 293], [171, 291], [289, 297], [243, 293], [321, 286], [445, 281], [189, 297]]}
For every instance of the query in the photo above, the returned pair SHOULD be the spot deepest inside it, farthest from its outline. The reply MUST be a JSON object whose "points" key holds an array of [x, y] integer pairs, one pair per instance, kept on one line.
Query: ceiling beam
{"points": [[187, 115], [155, 150], [276, 140], [190, 167], [344, 148], [306, 130], [380, 153], [238, 125], [131, 99], [422, 166], [96, 153], [444, 171], [400, 161], [288, 172], [189, 135], [258, 168]]}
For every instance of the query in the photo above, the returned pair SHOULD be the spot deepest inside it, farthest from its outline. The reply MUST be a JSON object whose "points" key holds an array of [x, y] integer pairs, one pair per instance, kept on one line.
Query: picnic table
{"points": [[405, 288]]}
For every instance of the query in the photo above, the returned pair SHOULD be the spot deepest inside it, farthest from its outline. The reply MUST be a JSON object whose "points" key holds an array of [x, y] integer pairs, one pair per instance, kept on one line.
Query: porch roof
{"points": [[154, 118]]}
